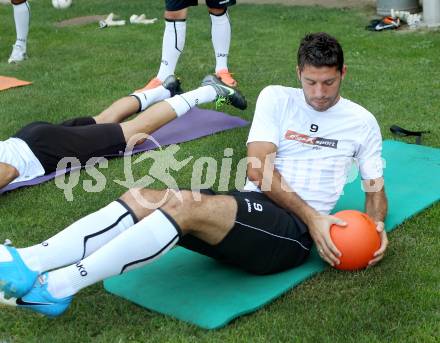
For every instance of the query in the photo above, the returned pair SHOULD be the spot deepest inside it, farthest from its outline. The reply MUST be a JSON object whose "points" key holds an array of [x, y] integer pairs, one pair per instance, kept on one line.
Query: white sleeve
{"points": [[265, 125], [369, 154]]}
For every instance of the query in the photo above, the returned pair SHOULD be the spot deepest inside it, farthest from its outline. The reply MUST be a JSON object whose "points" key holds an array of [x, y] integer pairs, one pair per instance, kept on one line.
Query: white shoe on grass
{"points": [[18, 54]]}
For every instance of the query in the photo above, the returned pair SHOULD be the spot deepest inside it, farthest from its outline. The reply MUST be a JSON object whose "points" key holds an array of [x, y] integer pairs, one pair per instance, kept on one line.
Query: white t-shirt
{"points": [[316, 150], [17, 153]]}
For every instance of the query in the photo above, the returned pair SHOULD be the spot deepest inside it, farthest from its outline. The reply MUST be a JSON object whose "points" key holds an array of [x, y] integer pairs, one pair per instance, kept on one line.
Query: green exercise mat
{"points": [[199, 290]]}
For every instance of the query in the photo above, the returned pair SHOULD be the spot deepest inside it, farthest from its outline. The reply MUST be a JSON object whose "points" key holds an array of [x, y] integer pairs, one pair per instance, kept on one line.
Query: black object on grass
{"points": [[397, 130]]}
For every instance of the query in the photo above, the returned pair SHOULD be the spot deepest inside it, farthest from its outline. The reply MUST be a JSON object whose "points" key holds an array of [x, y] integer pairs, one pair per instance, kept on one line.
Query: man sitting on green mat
{"points": [[37, 148], [299, 147]]}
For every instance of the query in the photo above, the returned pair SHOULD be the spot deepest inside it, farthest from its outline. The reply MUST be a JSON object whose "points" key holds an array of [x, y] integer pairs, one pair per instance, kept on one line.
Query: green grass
{"points": [[80, 70]]}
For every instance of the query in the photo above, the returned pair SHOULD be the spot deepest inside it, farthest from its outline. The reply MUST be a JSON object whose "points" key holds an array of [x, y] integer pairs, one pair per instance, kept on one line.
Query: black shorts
{"points": [[80, 137], [176, 5], [265, 238]]}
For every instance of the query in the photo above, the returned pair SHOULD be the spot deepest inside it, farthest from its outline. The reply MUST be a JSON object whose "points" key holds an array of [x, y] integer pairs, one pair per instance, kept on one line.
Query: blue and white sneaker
{"points": [[16, 279], [39, 299]]}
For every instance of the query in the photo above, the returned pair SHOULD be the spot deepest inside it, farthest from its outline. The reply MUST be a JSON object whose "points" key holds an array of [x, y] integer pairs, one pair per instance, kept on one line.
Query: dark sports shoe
{"points": [[173, 84], [225, 94]]}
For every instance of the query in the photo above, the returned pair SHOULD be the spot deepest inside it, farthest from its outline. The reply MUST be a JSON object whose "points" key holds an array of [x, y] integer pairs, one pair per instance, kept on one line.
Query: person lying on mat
{"points": [[314, 133], [37, 148]]}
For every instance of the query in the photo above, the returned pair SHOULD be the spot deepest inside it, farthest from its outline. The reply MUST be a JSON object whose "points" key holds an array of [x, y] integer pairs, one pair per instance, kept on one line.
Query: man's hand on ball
{"points": [[319, 229], [379, 254]]}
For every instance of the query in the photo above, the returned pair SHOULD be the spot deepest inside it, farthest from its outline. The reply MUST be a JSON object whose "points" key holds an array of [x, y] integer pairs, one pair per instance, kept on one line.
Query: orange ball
{"points": [[357, 242]]}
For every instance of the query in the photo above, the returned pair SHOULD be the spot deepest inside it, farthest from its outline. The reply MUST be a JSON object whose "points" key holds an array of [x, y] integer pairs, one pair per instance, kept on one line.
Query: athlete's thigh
{"points": [[273, 238], [265, 238]]}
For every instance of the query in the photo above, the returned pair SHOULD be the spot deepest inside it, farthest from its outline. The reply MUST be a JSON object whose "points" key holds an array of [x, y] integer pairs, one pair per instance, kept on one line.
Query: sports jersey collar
{"points": [[326, 112]]}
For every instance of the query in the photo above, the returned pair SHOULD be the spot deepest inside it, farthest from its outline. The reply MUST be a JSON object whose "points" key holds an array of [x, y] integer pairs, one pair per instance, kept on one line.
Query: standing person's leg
{"points": [[21, 18], [221, 38], [173, 42]]}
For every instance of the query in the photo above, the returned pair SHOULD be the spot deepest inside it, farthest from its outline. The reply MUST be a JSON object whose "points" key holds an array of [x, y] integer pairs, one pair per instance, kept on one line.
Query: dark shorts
{"points": [[265, 239], [176, 5], [80, 137]]}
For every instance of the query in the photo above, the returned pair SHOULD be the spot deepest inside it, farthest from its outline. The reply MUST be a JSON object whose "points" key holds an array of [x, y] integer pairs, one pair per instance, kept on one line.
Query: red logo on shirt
{"points": [[295, 136], [299, 137]]}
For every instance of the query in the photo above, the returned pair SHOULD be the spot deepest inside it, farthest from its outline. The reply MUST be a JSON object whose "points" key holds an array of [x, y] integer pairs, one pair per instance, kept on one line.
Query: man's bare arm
{"points": [[271, 182], [376, 206], [8, 174]]}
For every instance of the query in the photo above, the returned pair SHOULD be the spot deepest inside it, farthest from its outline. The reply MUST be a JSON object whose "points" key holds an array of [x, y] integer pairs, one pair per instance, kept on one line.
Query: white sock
{"points": [[172, 46], [184, 102], [79, 239], [143, 243], [221, 39], [150, 96], [21, 17]]}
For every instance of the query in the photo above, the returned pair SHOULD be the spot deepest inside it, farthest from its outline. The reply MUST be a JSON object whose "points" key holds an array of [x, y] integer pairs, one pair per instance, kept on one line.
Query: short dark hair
{"points": [[320, 50]]}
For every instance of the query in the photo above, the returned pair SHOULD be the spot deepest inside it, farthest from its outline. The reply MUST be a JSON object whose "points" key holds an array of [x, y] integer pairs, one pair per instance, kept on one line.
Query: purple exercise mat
{"points": [[195, 124]]}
